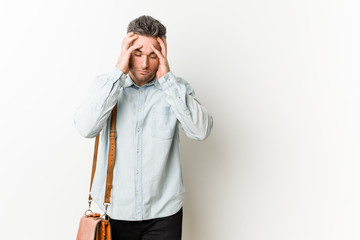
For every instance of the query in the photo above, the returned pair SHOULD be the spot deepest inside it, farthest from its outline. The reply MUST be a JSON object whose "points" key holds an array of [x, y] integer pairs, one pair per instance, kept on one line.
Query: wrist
{"points": [[121, 68], [167, 79]]}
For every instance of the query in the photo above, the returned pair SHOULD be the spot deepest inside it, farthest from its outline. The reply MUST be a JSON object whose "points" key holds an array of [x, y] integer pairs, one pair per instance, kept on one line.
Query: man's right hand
{"points": [[126, 49]]}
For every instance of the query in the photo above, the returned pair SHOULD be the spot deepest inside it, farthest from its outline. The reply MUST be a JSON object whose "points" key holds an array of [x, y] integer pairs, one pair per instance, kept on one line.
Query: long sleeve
{"points": [[194, 118], [90, 118]]}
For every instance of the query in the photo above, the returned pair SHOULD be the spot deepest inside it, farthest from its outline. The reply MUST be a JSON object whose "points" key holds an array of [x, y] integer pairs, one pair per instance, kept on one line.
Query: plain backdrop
{"points": [[280, 78]]}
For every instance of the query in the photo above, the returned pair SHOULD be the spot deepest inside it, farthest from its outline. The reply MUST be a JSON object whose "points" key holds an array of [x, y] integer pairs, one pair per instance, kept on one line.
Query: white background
{"points": [[281, 79]]}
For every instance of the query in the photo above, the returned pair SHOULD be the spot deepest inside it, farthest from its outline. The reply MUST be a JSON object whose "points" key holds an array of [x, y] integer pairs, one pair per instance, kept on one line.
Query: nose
{"points": [[144, 62]]}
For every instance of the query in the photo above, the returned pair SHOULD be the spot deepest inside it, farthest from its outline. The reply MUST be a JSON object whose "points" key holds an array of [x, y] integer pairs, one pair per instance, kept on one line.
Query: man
{"points": [[148, 191]]}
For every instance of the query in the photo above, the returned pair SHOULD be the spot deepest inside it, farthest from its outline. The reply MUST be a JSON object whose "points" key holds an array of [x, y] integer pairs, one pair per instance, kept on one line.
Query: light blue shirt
{"points": [[147, 179]]}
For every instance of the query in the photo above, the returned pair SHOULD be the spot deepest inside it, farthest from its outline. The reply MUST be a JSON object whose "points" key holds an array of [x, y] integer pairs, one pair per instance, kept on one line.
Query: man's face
{"points": [[143, 61]]}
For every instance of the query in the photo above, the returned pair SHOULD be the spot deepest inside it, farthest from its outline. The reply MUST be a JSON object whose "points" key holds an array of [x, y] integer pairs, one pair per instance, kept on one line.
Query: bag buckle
{"points": [[113, 134], [105, 212]]}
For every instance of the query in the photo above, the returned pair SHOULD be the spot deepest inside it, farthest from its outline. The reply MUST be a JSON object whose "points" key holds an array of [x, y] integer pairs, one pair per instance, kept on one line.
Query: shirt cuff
{"points": [[167, 80], [115, 74]]}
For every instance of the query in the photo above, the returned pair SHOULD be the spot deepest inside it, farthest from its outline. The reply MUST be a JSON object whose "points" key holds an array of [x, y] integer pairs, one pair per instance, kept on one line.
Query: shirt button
{"points": [[137, 150], [137, 171], [139, 110], [137, 192], [138, 129]]}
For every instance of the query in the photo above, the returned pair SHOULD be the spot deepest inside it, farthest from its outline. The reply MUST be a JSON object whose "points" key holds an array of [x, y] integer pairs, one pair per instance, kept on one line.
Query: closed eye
{"points": [[137, 53]]}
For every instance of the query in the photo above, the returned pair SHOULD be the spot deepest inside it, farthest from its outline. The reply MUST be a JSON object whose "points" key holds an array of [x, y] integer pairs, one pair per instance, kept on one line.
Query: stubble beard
{"points": [[141, 79]]}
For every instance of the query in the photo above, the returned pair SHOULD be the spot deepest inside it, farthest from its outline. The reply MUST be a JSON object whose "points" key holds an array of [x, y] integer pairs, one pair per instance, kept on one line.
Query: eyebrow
{"points": [[138, 50]]}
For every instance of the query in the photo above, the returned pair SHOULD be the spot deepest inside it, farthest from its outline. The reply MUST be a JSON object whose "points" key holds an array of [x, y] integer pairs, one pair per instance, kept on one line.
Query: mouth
{"points": [[142, 72]]}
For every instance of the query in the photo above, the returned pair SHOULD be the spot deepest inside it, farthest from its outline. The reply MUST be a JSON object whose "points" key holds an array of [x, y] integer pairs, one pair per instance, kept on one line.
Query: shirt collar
{"points": [[129, 83]]}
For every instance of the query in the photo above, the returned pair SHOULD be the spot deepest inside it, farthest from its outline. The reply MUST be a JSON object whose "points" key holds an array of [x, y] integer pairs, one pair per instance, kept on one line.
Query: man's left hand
{"points": [[162, 55]]}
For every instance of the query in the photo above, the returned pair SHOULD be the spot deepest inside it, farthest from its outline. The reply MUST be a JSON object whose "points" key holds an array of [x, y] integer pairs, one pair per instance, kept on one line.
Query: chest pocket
{"points": [[163, 122]]}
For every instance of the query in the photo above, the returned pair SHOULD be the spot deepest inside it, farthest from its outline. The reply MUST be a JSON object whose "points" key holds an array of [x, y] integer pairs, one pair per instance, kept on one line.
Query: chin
{"points": [[143, 78]]}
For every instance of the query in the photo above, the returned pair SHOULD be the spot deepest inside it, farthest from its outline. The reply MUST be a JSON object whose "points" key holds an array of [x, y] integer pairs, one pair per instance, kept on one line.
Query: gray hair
{"points": [[147, 26]]}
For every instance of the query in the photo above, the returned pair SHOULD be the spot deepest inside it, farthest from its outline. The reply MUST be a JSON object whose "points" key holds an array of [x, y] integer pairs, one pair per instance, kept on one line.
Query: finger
{"points": [[126, 38], [134, 47], [164, 40], [130, 41], [157, 52], [130, 34], [163, 47]]}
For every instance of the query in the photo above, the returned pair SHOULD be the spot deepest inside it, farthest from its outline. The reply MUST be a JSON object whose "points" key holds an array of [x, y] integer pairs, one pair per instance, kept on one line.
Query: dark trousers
{"points": [[165, 228]]}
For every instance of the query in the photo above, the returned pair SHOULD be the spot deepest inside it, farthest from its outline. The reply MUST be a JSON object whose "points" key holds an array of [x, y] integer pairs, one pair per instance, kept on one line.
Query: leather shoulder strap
{"points": [[94, 163], [111, 157]]}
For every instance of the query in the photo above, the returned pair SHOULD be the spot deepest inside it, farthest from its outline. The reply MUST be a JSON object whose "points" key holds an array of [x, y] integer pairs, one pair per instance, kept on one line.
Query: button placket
{"points": [[138, 163]]}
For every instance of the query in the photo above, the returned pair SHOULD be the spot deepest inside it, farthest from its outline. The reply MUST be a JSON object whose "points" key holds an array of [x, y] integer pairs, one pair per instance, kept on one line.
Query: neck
{"points": [[139, 82]]}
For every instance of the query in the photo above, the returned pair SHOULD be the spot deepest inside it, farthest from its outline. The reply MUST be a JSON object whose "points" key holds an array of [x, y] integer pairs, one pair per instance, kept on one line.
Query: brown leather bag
{"points": [[93, 226]]}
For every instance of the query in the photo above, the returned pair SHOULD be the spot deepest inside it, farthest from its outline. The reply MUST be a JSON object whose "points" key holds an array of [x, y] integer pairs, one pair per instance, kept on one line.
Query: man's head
{"points": [[143, 61], [147, 26]]}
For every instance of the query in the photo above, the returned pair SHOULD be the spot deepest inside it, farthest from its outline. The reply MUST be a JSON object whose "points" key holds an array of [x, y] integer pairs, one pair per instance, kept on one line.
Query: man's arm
{"points": [[90, 118], [194, 118]]}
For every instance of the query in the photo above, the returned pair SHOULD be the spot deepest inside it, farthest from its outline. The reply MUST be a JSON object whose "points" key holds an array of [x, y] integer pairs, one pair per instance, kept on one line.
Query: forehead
{"points": [[146, 43]]}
